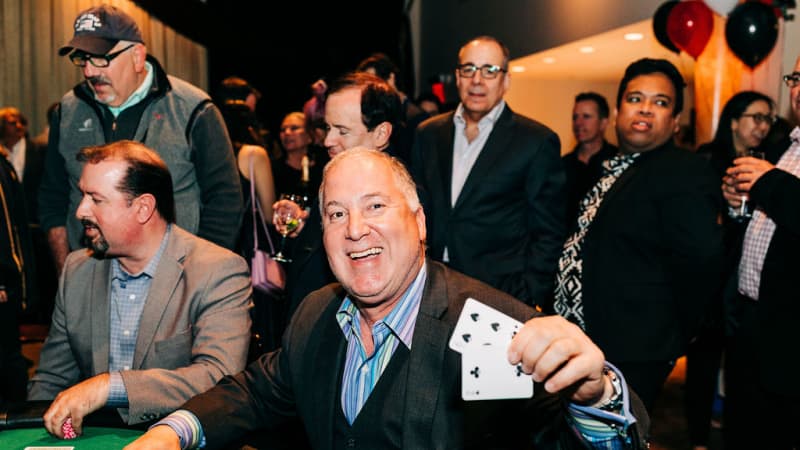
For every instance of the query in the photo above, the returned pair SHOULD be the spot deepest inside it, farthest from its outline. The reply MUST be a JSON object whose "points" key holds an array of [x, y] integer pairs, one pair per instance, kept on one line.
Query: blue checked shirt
{"points": [[128, 295]]}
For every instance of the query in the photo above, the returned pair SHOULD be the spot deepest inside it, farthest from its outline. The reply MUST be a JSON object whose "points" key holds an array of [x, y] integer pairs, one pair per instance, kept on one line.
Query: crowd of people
{"points": [[129, 232]]}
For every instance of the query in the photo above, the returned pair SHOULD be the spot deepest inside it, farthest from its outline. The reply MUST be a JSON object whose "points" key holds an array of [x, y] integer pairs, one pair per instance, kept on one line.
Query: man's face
{"points": [[479, 95], [13, 129], [794, 95], [587, 125], [373, 239], [107, 215], [346, 128], [112, 85], [644, 119]]}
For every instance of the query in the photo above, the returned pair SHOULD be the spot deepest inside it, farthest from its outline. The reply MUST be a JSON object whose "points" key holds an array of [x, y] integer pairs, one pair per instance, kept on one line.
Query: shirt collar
{"points": [[458, 117], [400, 320], [795, 135], [139, 94], [117, 272]]}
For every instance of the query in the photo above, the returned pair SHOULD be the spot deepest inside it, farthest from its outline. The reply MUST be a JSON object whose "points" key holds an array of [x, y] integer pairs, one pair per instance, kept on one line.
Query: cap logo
{"points": [[87, 22]]}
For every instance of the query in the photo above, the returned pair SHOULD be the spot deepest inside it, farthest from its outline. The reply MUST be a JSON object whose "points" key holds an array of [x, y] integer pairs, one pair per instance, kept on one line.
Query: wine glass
{"points": [[287, 218], [746, 210]]}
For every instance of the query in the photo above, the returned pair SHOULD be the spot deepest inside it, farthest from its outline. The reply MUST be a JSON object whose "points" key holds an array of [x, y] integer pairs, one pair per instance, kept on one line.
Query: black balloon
{"points": [[660, 25], [751, 32]]}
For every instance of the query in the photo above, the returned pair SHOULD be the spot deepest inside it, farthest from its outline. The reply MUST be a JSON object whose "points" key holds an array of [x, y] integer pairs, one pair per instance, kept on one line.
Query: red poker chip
{"points": [[67, 430]]}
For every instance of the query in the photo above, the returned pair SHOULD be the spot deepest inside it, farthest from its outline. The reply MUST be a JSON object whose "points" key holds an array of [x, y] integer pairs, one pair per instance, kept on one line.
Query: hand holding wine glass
{"points": [[745, 171], [287, 218]]}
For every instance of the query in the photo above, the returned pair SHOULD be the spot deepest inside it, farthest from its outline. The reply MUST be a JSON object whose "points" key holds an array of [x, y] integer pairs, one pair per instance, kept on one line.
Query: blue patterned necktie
{"points": [[568, 295]]}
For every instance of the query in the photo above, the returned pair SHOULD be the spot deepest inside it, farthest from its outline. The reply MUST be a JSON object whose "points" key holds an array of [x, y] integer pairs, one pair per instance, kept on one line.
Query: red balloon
{"points": [[689, 26]]}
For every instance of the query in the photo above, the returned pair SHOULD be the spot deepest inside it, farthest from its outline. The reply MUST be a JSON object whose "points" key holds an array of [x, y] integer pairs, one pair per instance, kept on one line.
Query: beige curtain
{"points": [[32, 75]]}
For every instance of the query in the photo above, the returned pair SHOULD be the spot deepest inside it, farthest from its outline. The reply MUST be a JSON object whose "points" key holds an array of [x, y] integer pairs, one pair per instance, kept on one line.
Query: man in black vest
{"points": [[366, 364]]}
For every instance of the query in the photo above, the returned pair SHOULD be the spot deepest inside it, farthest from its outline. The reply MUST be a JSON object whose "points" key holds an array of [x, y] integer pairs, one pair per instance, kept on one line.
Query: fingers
{"points": [[3, 296], [557, 352], [55, 416]]}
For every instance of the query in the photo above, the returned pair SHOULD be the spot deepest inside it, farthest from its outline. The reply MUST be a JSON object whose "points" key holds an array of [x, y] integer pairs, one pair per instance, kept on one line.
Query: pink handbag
{"points": [[267, 275]]}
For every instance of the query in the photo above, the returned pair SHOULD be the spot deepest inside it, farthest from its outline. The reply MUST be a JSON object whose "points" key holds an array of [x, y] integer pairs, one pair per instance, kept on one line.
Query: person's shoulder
{"points": [[195, 251], [461, 287], [437, 121], [186, 89]]}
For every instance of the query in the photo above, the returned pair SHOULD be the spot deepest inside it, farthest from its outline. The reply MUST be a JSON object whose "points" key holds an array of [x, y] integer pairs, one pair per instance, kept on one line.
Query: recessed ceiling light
{"points": [[548, 60], [587, 49], [634, 36], [518, 69]]}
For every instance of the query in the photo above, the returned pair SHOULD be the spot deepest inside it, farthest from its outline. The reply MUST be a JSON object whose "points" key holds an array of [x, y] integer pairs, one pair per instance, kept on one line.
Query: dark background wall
{"points": [[282, 47]]}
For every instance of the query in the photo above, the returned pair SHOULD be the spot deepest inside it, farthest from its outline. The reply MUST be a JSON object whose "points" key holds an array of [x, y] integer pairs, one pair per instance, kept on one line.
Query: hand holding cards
{"points": [[482, 335]]}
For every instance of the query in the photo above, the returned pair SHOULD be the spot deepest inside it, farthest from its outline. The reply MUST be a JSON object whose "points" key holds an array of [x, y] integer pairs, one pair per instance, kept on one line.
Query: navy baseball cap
{"points": [[99, 28]]}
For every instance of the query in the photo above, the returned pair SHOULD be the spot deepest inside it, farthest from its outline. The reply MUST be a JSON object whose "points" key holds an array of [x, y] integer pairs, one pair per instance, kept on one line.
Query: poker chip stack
{"points": [[67, 430]]}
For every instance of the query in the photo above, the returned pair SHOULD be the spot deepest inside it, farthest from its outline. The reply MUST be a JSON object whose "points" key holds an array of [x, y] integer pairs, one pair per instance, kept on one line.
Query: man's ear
{"points": [[139, 56], [145, 207], [381, 134], [677, 121]]}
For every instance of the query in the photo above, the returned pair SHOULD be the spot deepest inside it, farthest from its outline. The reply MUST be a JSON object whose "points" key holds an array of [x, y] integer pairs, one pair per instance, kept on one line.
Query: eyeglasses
{"points": [[761, 119], [792, 80], [488, 71], [79, 58]]}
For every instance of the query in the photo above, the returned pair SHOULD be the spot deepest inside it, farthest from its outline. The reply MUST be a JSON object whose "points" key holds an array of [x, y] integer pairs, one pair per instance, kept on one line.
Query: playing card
{"points": [[486, 374], [480, 325]]}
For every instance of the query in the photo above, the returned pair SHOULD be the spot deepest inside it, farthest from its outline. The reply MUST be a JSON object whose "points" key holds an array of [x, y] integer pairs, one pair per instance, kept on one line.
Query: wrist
{"points": [[611, 399]]}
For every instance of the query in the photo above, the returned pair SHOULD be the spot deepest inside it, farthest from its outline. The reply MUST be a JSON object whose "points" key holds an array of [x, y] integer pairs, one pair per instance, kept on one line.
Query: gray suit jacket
{"points": [[194, 329]]}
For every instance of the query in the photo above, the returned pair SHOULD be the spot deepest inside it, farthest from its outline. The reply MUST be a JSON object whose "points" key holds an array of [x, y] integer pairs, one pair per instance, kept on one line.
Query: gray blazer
{"points": [[194, 329]]}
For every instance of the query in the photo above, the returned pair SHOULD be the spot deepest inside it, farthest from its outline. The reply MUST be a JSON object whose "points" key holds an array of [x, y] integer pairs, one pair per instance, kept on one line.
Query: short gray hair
{"points": [[402, 178]]}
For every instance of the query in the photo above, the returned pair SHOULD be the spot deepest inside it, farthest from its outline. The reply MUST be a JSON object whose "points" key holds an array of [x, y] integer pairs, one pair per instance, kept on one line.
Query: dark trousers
{"points": [[646, 378], [754, 417], [703, 360], [13, 367]]}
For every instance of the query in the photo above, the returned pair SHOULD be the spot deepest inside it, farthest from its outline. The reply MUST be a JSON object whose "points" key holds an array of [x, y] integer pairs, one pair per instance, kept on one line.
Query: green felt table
{"points": [[93, 438]]}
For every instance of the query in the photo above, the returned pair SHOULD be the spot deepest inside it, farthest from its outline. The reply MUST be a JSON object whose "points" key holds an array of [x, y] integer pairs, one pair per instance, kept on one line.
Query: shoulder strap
{"points": [[256, 205]]}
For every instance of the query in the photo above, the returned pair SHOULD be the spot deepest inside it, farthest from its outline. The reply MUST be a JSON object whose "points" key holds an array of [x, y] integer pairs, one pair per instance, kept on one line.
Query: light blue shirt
{"points": [[128, 296]]}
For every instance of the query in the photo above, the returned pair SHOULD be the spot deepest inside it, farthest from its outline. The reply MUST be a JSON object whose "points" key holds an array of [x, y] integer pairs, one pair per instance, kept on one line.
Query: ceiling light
{"points": [[587, 49], [518, 69], [548, 60], [633, 36]]}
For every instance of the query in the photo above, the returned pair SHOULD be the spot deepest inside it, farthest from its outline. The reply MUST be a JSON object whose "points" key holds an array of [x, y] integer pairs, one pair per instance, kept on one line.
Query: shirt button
{"points": [[132, 297], [351, 443], [126, 333]]}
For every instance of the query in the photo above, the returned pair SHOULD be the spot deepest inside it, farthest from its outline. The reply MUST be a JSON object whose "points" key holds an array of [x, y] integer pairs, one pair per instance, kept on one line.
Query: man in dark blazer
{"points": [[758, 361], [366, 364], [645, 255], [150, 314], [27, 157], [360, 110], [494, 182]]}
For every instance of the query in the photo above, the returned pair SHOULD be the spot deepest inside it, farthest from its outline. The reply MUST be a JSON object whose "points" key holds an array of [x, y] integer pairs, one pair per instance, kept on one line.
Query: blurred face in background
{"points": [[587, 125], [752, 126], [293, 134], [12, 128]]}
